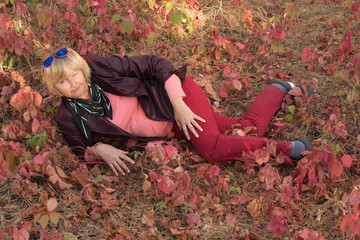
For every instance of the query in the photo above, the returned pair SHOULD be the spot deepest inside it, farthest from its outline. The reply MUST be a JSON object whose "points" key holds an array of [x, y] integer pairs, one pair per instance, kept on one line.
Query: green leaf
{"points": [[190, 29], [289, 117], [115, 18], [175, 17], [98, 179], [292, 109], [236, 190], [127, 25], [12, 61], [151, 38], [169, 5]]}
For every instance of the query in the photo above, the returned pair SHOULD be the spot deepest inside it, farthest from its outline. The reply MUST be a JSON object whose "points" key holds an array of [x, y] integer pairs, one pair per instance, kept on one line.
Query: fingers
{"points": [[199, 118], [118, 166]]}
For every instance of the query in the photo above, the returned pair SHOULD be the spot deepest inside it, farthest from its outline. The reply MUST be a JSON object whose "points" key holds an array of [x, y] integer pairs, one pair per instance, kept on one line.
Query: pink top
{"points": [[129, 115]]}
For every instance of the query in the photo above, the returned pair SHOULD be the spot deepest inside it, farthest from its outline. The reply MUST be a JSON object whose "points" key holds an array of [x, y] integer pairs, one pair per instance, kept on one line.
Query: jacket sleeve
{"points": [[145, 68], [72, 135]]}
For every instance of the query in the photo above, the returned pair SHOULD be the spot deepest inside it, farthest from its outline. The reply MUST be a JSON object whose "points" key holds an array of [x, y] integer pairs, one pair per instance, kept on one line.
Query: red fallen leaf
{"points": [[153, 176], [331, 69], [6, 90], [295, 91], [35, 125], [169, 152], [165, 184], [38, 159], [354, 197], [55, 179], [355, 9], [209, 89], [278, 226], [201, 171], [214, 171], [308, 56], [261, 156], [195, 198], [240, 45], [21, 234], [156, 151], [223, 92], [346, 160], [350, 221], [356, 60], [247, 57], [227, 71], [269, 176], [237, 84], [305, 234], [192, 219], [335, 168]]}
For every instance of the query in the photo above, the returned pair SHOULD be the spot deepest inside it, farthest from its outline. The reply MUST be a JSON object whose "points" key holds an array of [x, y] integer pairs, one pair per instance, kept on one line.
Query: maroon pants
{"points": [[212, 144]]}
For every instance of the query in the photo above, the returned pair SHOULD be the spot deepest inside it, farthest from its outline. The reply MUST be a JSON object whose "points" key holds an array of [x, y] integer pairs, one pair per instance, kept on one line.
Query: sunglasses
{"points": [[59, 54]]}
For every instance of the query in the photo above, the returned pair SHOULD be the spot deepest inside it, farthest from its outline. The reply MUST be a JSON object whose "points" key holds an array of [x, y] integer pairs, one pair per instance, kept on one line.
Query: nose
{"points": [[72, 83]]}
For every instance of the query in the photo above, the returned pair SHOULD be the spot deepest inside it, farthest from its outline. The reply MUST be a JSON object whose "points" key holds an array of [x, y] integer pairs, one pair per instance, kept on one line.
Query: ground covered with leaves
{"points": [[232, 48]]}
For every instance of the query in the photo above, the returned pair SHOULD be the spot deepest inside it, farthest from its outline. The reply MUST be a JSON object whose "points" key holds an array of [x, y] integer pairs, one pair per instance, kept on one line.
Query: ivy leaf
{"points": [[335, 168], [278, 226], [127, 25], [308, 56], [350, 221], [214, 171], [165, 184], [346, 160]]}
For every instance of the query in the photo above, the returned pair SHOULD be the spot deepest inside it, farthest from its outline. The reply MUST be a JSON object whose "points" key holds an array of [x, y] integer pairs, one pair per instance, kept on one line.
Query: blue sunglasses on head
{"points": [[59, 54]]}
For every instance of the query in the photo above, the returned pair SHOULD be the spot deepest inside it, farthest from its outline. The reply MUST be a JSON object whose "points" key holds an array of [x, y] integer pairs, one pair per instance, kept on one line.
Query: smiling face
{"points": [[74, 84], [67, 76]]}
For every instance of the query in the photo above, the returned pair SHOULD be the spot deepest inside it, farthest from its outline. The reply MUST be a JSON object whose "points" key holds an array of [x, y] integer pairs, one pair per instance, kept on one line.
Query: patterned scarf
{"points": [[98, 106]]}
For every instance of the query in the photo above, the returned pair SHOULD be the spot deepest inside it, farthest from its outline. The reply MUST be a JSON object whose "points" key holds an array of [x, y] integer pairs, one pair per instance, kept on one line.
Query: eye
{"points": [[61, 81]]}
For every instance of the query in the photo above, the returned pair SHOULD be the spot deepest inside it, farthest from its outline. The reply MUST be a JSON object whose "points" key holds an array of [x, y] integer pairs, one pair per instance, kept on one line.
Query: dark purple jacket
{"points": [[142, 77]]}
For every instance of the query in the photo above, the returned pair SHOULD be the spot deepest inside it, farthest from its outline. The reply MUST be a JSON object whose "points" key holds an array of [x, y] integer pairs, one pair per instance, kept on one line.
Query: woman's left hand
{"points": [[185, 118]]}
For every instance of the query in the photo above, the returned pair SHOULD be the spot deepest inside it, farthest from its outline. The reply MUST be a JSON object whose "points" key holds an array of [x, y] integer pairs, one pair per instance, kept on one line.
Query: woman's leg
{"points": [[211, 144]]}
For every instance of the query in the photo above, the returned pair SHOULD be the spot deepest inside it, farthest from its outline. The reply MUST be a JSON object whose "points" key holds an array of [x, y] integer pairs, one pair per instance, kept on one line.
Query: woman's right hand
{"points": [[114, 158]]}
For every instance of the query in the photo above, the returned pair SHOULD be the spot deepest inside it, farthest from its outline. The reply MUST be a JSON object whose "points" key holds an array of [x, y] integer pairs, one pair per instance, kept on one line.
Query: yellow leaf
{"points": [[44, 220], [54, 217]]}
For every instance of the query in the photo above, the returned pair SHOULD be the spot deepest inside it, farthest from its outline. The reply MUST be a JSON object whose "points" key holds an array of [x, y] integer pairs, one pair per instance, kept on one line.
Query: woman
{"points": [[145, 98]]}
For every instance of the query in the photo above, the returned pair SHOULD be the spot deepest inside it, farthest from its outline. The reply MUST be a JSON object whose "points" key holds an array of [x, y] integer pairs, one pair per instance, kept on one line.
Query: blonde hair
{"points": [[55, 72]]}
